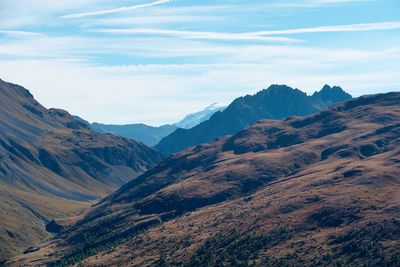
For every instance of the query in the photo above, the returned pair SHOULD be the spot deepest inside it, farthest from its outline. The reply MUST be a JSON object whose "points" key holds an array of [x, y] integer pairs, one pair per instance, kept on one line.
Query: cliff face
{"points": [[52, 165]]}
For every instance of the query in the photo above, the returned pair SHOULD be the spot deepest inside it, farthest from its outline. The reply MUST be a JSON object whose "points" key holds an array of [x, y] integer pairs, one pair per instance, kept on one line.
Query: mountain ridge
{"points": [[148, 135], [275, 102], [152, 135], [53, 166], [196, 118]]}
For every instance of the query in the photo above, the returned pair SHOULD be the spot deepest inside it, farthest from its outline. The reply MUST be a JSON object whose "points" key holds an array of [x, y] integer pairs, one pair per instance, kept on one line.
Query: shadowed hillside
{"points": [[52, 166], [276, 102], [315, 191]]}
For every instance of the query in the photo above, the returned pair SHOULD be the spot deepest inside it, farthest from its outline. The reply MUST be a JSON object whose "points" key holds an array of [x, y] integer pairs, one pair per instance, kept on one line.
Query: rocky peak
{"points": [[332, 94]]}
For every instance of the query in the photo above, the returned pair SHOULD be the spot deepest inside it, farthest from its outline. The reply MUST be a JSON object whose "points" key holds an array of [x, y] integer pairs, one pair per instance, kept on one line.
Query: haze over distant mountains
{"points": [[194, 119], [54, 166], [150, 135], [320, 190], [276, 102]]}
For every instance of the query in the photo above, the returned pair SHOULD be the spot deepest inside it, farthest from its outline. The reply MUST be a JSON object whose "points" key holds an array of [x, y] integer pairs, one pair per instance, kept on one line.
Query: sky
{"points": [[154, 61]]}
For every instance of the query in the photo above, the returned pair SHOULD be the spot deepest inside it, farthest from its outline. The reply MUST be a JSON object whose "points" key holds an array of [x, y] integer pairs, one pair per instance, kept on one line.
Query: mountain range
{"points": [[196, 118], [146, 134], [150, 135], [276, 102], [53, 166], [320, 190]]}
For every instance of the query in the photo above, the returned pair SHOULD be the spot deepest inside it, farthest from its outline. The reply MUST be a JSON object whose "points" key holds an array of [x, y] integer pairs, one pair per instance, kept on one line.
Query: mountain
{"points": [[194, 119], [53, 166], [276, 102], [320, 190], [148, 135]]}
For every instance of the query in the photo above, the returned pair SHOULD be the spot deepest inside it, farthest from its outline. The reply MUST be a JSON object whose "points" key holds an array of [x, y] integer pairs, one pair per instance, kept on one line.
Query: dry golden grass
{"points": [[320, 190], [52, 166]]}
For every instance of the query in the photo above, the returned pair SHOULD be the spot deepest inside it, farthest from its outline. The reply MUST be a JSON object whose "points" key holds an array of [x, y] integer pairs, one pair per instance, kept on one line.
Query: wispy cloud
{"points": [[115, 10], [257, 36], [140, 90], [158, 54], [19, 33], [199, 35], [337, 28], [154, 19], [314, 3]]}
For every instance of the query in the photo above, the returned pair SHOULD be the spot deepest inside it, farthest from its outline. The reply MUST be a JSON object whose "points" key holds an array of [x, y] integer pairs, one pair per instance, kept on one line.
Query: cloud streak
{"points": [[20, 33], [199, 35], [140, 90], [337, 28], [115, 10], [257, 36]]}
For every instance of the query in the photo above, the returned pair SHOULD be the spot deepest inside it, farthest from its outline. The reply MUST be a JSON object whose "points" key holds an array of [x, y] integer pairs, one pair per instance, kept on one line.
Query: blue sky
{"points": [[154, 61]]}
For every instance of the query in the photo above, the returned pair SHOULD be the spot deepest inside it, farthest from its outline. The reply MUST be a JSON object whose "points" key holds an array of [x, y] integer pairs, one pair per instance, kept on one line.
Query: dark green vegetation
{"points": [[320, 190], [276, 102], [53, 166]]}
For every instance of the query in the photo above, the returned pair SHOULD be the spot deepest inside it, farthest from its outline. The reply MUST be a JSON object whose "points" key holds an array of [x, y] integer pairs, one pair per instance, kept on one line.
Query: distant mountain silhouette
{"points": [[276, 102], [150, 135], [146, 134], [195, 119]]}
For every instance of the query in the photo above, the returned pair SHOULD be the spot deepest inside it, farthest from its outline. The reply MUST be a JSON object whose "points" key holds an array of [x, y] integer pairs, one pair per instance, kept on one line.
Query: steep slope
{"points": [[196, 118], [148, 135], [276, 102], [315, 191], [52, 166]]}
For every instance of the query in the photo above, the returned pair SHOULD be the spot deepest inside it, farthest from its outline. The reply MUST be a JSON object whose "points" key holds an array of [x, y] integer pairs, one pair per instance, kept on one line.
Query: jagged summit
{"points": [[275, 102], [333, 94]]}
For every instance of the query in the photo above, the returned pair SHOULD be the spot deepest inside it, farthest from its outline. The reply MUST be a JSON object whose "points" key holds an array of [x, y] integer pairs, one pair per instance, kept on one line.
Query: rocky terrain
{"points": [[320, 190], [53, 166]]}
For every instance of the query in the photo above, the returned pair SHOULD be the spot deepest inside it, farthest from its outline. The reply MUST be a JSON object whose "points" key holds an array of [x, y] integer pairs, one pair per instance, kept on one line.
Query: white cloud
{"points": [[20, 33], [63, 68], [260, 35], [313, 3], [15, 14], [337, 28], [199, 35], [142, 93], [114, 10], [152, 19]]}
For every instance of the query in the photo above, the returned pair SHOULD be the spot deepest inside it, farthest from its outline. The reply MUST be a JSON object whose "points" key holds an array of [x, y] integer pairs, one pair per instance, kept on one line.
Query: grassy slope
{"points": [[320, 190], [52, 167]]}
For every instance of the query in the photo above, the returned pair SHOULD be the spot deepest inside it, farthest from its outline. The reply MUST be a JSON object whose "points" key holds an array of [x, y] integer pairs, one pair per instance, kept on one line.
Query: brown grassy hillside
{"points": [[52, 166], [315, 191]]}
